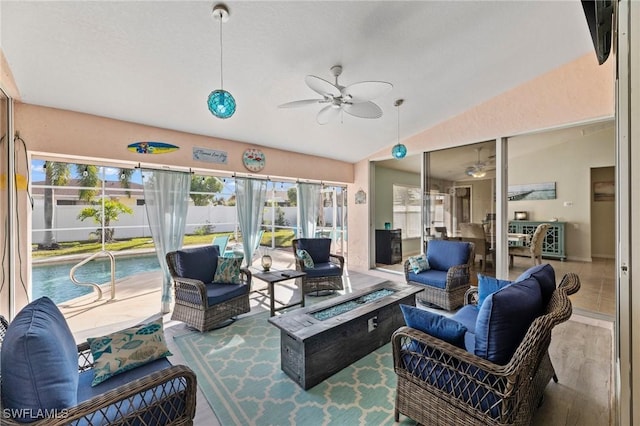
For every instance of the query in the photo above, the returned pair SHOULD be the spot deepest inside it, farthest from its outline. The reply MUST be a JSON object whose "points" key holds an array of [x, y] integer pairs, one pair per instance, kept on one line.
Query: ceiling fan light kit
{"points": [[478, 170], [220, 102], [354, 99], [399, 151]]}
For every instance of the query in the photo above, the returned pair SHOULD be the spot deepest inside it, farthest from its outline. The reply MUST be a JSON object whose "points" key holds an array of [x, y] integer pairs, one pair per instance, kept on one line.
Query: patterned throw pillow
{"points": [[228, 270], [127, 349], [306, 259], [419, 263]]}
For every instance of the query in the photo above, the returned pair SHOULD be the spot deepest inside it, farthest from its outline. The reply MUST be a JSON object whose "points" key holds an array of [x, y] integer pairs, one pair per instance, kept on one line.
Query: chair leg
{"points": [[484, 263]]}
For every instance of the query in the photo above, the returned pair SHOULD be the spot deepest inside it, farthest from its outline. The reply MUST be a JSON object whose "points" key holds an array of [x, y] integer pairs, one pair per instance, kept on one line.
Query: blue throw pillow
{"points": [[418, 263], [39, 362], [435, 325], [488, 285], [546, 277], [504, 318]]}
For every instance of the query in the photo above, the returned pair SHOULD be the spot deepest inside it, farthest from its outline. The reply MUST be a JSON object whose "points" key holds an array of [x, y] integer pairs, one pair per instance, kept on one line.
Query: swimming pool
{"points": [[52, 280]]}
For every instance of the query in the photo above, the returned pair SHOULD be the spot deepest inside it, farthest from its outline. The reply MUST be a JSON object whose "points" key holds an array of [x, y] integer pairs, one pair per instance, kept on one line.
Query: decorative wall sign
{"points": [[532, 191], [209, 155], [361, 197], [604, 191], [253, 159], [152, 147]]}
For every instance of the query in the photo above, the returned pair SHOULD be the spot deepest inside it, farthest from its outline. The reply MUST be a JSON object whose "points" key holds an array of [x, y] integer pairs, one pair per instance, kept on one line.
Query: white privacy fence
{"points": [[67, 227]]}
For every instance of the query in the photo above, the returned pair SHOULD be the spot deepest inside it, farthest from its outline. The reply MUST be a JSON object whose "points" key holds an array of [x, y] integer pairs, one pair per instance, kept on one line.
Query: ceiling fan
{"points": [[479, 169], [354, 99]]}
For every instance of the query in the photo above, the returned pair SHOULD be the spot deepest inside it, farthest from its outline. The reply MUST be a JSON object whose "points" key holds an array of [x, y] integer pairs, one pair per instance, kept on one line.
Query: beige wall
{"points": [[385, 178], [51, 130], [574, 93]]}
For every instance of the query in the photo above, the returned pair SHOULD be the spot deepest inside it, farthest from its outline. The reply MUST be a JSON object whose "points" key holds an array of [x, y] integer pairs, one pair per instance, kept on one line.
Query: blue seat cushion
{"points": [[443, 254], [198, 263], [546, 277], [112, 413], [504, 318], [325, 269], [434, 324], [488, 285], [217, 293], [318, 248], [39, 361], [431, 277]]}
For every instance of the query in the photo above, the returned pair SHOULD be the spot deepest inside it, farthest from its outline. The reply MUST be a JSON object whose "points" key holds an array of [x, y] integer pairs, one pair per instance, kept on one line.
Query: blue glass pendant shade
{"points": [[221, 104], [399, 151]]}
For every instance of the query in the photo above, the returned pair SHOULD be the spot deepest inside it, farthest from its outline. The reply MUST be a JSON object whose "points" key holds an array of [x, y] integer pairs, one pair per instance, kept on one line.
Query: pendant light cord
{"points": [[398, 124], [221, 78]]}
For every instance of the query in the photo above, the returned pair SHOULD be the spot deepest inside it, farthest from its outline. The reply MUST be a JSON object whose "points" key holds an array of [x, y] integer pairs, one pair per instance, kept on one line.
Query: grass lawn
{"points": [[283, 238]]}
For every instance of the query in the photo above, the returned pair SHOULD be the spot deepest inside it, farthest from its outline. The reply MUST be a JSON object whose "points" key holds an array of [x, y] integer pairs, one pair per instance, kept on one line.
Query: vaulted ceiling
{"points": [[155, 62]]}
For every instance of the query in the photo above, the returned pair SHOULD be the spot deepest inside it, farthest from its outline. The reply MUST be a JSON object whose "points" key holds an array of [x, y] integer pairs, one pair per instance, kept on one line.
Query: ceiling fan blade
{"points": [[327, 114], [322, 87], [366, 90], [363, 110], [304, 102]]}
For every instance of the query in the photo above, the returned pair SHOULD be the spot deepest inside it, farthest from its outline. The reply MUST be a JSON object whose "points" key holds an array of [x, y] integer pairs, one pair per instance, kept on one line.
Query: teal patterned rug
{"points": [[238, 369]]}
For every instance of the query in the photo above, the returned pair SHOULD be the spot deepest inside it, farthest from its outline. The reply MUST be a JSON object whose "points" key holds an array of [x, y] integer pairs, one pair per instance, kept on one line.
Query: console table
{"points": [[554, 242]]}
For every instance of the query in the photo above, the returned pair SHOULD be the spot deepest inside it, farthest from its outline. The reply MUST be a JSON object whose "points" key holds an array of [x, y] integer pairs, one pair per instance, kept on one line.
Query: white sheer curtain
{"points": [[250, 198], [166, 199], [309, 203]]}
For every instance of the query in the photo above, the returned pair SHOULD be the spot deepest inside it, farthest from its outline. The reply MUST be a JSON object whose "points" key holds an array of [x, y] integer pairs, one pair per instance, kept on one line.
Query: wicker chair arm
{"points": [[471, 296], [191, 291], [85, 358], [570, 283], [245, 277], [336, 258], [457, 276], [161, 378]]}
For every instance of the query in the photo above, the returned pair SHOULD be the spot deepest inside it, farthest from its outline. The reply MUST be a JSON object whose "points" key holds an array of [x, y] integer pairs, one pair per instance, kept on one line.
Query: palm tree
{"points": [[56, 174], [59, 174]]}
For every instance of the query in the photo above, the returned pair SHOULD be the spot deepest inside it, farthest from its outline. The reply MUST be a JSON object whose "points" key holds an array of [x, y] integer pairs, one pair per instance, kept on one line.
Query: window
{"points": [[407, 201]]}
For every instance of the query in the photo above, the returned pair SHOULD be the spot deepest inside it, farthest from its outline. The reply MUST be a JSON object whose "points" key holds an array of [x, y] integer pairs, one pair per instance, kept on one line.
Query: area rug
{"points": [[238, 369]]}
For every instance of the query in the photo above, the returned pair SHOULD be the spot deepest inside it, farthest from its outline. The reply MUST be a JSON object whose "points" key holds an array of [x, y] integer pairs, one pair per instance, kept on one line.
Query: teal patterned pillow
{"points": [[419, 263], [228, 270], [127, 349], [307, 261]]}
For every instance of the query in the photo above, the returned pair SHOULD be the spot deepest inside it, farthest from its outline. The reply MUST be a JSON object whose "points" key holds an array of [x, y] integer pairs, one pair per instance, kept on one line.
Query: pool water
{"points": [[52, 280]]}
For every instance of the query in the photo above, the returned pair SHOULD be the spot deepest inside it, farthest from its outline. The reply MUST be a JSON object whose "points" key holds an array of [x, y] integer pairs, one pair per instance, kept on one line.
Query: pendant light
{"points": [[399, 151], [220, 102]]}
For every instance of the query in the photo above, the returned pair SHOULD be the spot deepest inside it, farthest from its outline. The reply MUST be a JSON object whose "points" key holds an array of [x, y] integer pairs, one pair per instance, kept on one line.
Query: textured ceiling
{"points": [[155, 62]]}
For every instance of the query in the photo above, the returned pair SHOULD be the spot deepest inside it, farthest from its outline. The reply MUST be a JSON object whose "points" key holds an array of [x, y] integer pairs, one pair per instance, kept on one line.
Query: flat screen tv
{"points": [[599, 14]]}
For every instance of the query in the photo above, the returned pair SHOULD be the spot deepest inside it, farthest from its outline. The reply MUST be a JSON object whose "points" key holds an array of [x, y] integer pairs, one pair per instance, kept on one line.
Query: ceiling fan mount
{"points": [[354, 99]]}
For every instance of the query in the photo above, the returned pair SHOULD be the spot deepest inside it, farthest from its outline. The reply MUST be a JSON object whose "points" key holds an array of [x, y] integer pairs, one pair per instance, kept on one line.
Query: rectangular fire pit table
{"points": [[320, 340]]}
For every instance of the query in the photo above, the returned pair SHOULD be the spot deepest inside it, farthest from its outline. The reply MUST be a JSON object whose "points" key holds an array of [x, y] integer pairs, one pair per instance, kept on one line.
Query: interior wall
{"points": [[603, 216], [385, 178], [482, 201], [565, 158], [576, 92]]}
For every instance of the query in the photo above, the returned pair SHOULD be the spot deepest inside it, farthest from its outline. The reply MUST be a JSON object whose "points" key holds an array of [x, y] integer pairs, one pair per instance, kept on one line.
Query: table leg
{"points": [[272, 299]]}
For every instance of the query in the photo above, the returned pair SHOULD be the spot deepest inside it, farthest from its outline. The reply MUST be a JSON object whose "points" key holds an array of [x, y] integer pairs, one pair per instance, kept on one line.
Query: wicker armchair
{"points": [[447, 281], [198, 302], [173, 388], [328, 267], [454, 386]]}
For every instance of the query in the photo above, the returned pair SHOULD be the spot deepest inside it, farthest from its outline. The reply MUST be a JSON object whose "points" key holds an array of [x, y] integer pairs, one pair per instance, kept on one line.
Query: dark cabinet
{"points": [[388, 246]]}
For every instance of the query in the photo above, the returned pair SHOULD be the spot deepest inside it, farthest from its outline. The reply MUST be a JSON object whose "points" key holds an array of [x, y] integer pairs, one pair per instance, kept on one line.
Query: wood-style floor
{"points": [[581, 349], [596, 297]]}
